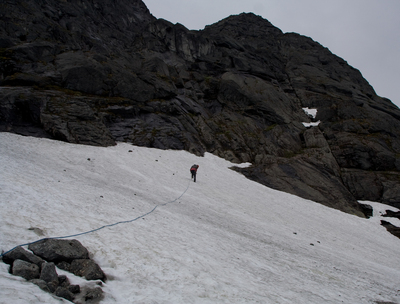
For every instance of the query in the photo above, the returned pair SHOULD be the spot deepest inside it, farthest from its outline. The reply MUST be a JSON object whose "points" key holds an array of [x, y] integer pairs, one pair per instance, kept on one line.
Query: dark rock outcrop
{"points": [[100, 72], [391, 228], [389, 213], [367, 210]]}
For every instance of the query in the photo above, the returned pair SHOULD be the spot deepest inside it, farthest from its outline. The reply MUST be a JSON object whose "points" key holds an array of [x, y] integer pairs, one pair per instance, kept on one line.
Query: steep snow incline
{"points": [[226, 240]]}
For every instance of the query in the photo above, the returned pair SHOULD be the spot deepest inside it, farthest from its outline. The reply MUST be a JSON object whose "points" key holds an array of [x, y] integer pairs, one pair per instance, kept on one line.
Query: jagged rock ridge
{"points": [[94, 73]]}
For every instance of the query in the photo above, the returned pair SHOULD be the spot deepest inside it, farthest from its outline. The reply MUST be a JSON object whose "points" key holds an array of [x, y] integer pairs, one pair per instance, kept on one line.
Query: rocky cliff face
{"points": [[97, 72]]}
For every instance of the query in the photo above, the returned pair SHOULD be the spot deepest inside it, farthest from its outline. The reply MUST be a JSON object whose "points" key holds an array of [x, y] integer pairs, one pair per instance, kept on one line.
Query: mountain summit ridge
{"points": [[100, 72]]}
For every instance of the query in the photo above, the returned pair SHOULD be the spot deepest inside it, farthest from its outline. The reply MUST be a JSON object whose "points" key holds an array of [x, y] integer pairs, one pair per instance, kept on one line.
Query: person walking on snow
{"points": [[193, 170]]}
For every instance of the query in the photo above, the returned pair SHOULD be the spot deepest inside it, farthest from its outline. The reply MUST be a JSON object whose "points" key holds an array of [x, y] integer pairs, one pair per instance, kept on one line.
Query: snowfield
{"points": [[223, 239]]}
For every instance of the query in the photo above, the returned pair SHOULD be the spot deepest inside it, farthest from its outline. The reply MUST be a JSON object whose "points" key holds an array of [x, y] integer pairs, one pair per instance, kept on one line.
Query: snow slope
{"points": [[225, 240]]}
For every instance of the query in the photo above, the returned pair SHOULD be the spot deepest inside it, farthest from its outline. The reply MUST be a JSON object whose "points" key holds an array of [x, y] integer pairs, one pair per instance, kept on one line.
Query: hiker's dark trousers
{"points": [[193, 175]]}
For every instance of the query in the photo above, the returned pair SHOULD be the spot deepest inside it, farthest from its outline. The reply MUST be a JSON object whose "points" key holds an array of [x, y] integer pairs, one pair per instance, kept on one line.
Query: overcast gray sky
{"points": [[365, 33]]}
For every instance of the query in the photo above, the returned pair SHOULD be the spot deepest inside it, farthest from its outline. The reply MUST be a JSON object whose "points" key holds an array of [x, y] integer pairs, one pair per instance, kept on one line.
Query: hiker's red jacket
{"points": [[194, 168]]}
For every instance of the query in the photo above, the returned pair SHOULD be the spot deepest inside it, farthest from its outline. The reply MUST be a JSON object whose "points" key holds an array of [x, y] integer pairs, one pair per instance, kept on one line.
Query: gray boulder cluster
{"points": [[39, 267], [101, 72]]}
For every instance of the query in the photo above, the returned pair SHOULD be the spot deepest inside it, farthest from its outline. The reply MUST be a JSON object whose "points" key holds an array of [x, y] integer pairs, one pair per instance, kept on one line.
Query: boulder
{"points": [[90, 295], [63, 281], [42, 284], [75, 289], [49, 273], [20, 253], [64, 265], [25, 269], [88, 269], [63, 292], [55, 250]]}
